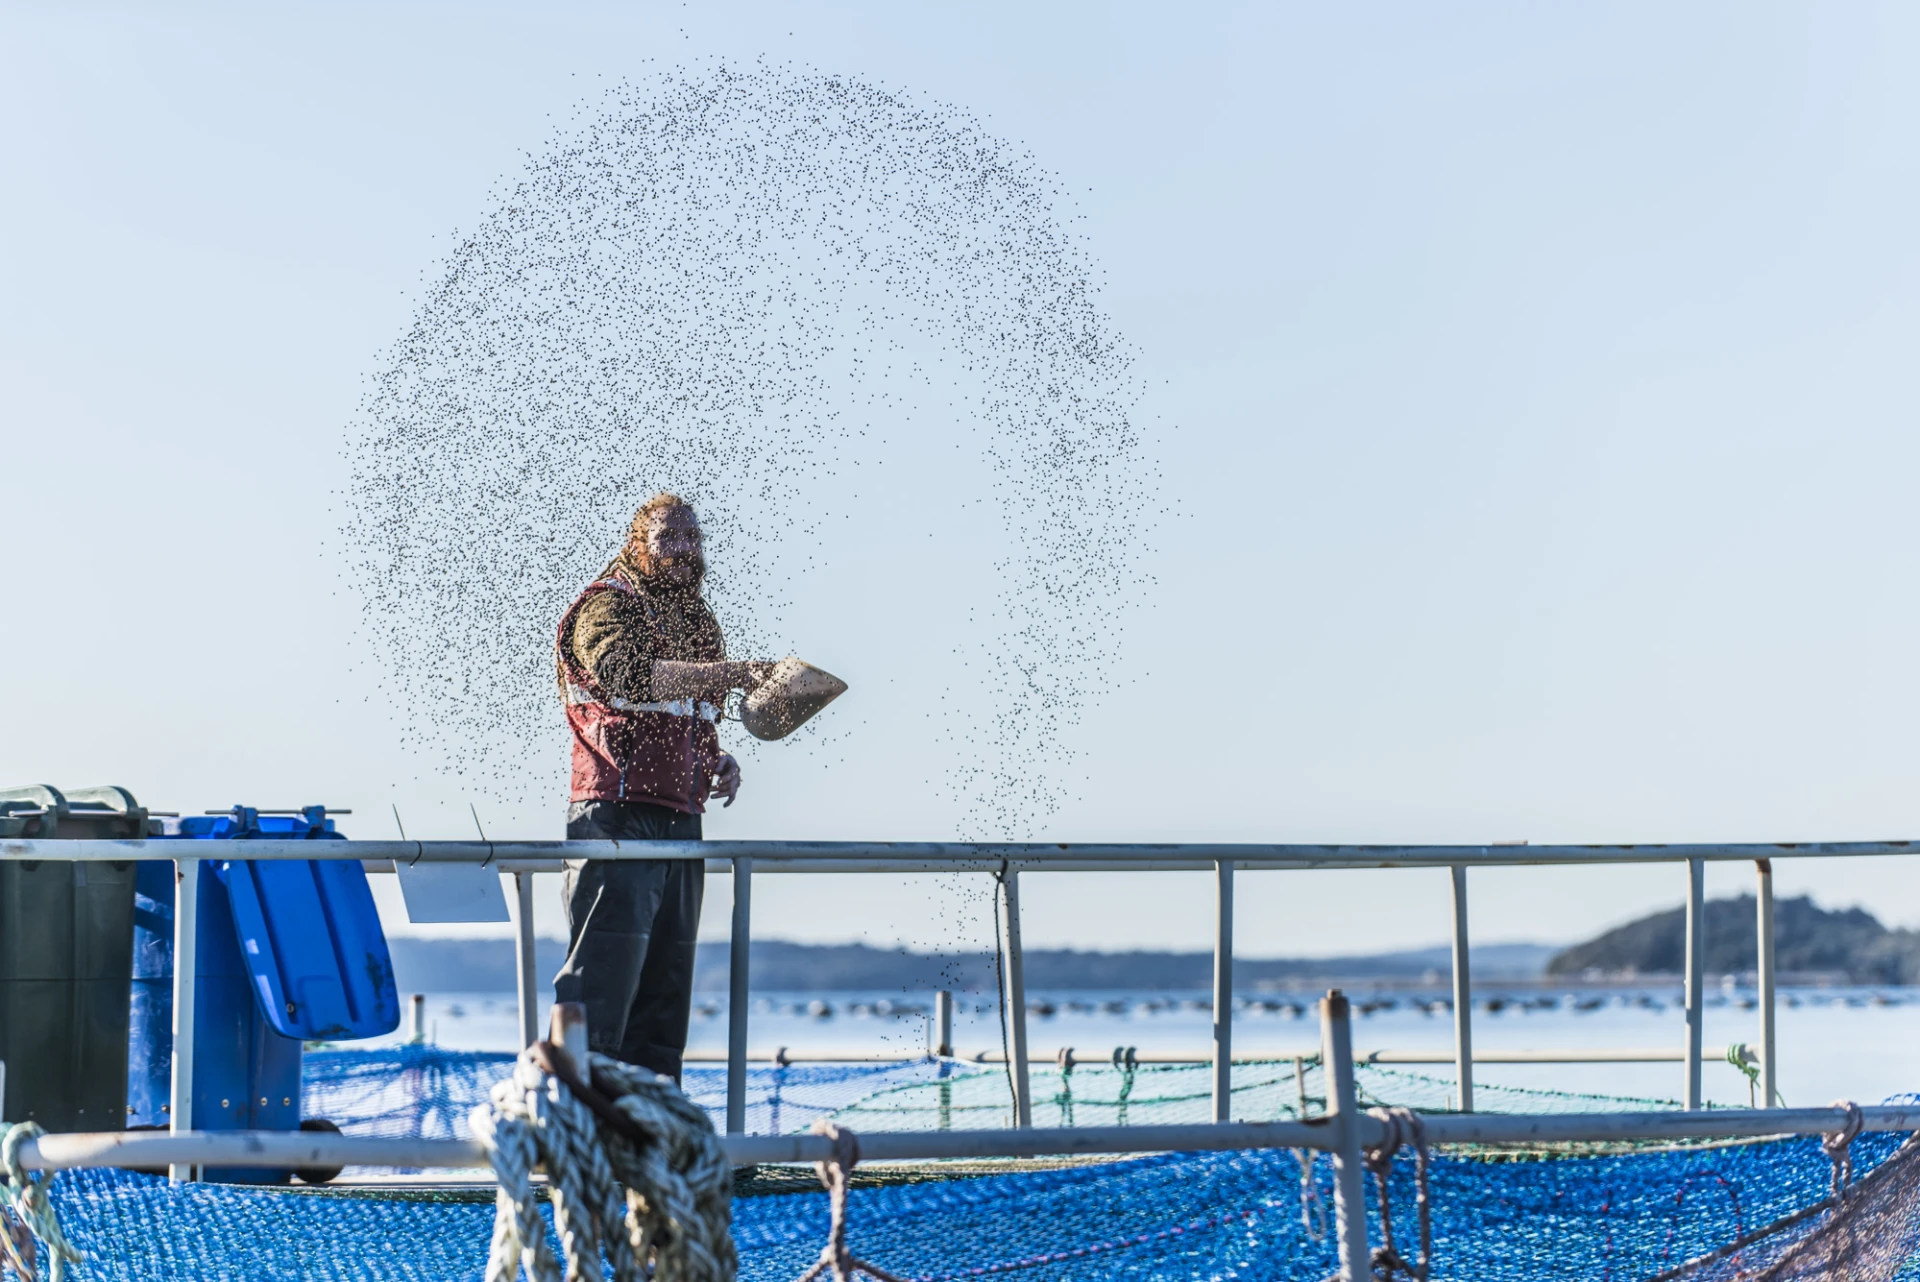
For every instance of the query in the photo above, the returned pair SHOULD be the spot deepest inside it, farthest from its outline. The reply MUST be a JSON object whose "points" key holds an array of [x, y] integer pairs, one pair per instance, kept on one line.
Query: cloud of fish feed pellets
{"points": [[757, 287]]}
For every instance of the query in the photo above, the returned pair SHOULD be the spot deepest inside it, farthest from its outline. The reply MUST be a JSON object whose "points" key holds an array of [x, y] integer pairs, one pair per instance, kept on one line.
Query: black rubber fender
{"points": [[317, 1174]]}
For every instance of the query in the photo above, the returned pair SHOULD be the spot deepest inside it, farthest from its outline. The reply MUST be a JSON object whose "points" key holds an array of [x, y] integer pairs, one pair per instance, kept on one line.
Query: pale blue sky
{"points": [[1534, 385]]}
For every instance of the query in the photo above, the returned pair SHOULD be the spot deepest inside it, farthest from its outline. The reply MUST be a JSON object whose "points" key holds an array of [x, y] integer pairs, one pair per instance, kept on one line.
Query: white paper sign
{"points": [[444, 893]]}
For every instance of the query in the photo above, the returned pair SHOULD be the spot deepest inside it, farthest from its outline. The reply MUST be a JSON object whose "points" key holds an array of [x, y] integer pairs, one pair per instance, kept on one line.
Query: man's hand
{"points": [[726, 779]]}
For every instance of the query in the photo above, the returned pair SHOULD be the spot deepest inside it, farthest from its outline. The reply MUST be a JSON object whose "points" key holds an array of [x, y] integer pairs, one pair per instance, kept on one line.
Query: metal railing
{"points": [[742, 859], [1123, 1055]]}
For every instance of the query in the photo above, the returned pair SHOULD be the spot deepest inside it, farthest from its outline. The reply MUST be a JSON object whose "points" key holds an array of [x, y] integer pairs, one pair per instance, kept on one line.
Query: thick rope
{"points": [[835, 1173], [1839, 1144], [1841, 1243], [633, 1167], [28, 1211], [1403, 1126]]}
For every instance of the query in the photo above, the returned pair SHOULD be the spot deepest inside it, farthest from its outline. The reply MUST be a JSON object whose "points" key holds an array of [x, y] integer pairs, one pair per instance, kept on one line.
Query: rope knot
{"points": [[26, 1211], [846, 1153], [634, 1167], [835, 1172], [1839, 1144], [1400, 1127]]}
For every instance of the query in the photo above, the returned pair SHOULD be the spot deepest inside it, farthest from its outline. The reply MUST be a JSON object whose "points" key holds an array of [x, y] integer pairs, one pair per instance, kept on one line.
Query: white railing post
{"points": [[739, 953], [1462, 991], [523, 961], [1014, 996], [942, 1024], [1349, 1197], [1769, 1088], [567, 1029], [943, 1047], [186, 932], [1223, 990], [1696, 965]]}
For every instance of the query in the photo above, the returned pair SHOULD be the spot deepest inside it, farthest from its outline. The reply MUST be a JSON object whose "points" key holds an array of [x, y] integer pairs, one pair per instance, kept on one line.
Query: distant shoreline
{"points": [[1814, 948], [486, 965]]}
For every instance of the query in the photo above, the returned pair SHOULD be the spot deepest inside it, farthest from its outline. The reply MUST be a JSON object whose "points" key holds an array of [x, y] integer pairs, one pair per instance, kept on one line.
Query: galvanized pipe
{"points": [[1349, 1198], [1223, 991], [1696, 964], [302, 1148], [942, 1023], [524, 963], [1769, 1086], [1596, 1055], [785, 856], [1036, 1141], [1462, 991], [1704, 1124], [186, 939], [739, 955], [788, 1055], [283, 1149], [1014, 997]]}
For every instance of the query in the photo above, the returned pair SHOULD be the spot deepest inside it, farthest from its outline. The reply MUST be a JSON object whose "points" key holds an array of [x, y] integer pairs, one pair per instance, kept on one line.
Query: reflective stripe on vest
{"points": [[675, 708]]}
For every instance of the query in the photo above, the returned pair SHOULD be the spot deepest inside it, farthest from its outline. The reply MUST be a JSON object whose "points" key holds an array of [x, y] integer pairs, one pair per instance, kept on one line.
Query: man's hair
{"points": [[663, 502]]}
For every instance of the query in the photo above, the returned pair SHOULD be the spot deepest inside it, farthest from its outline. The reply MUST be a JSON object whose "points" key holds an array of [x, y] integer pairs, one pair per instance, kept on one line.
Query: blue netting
{"points": [[1237, 1215], [1230, 1215], [1619, 1216], [429, 1091], [425, 1091]]}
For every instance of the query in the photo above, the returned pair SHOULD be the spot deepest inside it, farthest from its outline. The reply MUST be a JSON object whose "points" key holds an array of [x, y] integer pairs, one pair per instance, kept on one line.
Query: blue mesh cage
{"points": [[1613, 1215], [1215, 1215]]}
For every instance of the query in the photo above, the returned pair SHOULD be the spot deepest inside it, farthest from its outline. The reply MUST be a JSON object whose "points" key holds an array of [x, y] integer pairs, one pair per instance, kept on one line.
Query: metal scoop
{"points": [[788, 698]]}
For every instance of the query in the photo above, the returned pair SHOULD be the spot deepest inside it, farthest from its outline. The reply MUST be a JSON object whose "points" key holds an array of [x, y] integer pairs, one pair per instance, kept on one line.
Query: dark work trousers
{"points": [[631, 925]]}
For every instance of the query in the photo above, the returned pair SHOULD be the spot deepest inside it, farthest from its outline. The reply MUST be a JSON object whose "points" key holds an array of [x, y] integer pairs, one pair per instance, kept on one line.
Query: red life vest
{"points": [[662, 753]]}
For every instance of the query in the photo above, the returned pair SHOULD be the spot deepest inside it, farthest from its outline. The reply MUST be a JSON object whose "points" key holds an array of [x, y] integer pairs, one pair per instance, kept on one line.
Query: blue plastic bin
{"points": [[287, 951]]}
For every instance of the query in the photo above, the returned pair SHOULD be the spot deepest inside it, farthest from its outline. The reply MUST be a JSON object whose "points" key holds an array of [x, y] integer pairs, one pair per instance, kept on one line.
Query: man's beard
{"points": [[658, 576]]}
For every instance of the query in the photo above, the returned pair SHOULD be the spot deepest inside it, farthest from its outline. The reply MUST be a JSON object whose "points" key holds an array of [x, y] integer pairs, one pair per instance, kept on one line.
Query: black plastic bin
{"points": [[66, 962]]}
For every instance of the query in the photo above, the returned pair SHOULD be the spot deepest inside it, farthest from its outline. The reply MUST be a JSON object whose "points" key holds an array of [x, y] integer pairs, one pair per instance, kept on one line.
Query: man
{"points": [[643, 673]]}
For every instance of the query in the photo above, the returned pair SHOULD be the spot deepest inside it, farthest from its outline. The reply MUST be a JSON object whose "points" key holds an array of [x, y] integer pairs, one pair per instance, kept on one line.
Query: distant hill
{"points": [[1806, 939], [486, 965]]}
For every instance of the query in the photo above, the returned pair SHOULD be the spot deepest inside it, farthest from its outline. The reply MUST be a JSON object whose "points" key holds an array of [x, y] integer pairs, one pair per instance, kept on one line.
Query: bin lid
{"points": [[43, 811], [311, 940]]}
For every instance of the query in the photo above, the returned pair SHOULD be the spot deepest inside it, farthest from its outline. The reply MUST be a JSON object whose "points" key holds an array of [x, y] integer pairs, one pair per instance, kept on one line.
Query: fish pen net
{"points": [[1761, 1209], [1863, 1232], [1639, 1215], [428, 1091]]}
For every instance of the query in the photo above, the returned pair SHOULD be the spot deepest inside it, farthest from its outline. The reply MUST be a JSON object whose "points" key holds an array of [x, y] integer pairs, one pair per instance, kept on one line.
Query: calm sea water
{"points": [[1856, 1043]]}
